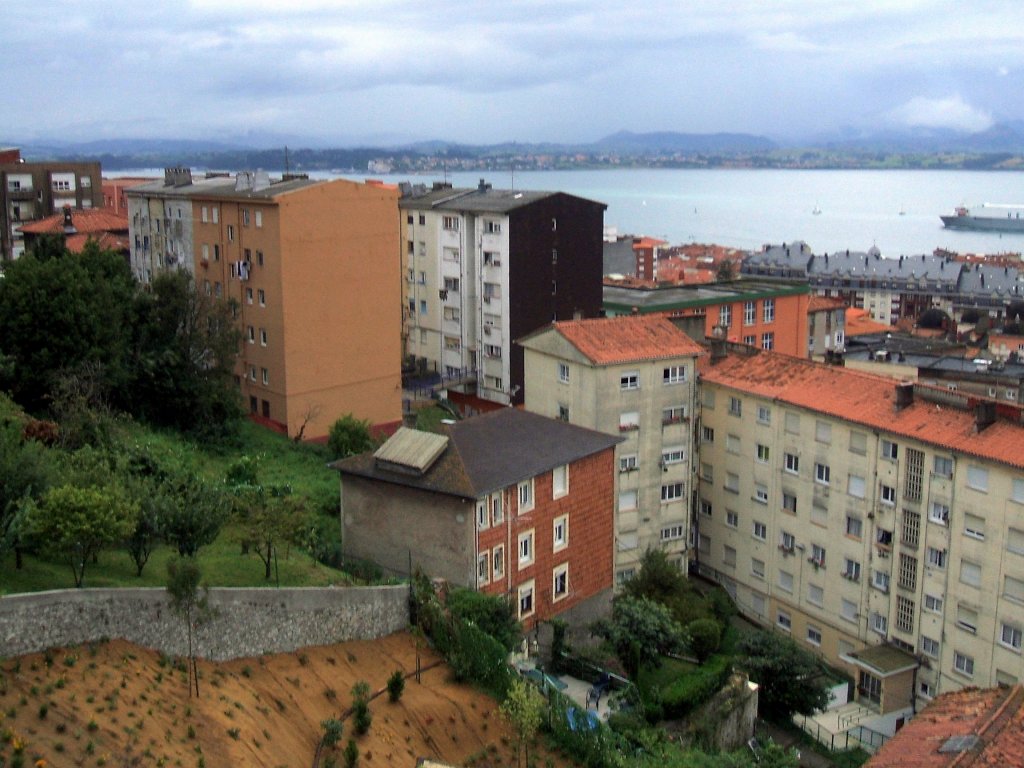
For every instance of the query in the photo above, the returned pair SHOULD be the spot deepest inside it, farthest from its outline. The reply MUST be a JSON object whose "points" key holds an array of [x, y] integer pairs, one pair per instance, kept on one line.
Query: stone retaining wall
{"points": [[246, 622]]}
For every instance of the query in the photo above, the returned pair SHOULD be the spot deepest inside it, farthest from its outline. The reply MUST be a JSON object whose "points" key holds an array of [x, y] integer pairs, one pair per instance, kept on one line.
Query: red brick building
{"points": [[508, 502]]}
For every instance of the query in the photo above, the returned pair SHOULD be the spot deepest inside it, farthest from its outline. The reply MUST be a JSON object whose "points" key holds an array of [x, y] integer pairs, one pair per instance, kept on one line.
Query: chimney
{"points": [[69, 225], [904, 394], [984, 415], [483, 186]]}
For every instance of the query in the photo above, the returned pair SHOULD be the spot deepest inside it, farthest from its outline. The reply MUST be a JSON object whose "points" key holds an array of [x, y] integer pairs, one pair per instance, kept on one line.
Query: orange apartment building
{"points": [[310, 265], [759, 314]]}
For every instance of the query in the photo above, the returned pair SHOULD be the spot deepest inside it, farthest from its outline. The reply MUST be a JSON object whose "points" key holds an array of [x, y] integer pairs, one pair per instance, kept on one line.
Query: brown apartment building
{"points": [[311, 265]]}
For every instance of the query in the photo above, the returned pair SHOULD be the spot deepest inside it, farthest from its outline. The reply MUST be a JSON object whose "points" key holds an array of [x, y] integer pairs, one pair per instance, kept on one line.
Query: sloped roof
{"points": [[859, 323], [866, 399], [610, 340], [995, 716], [824, 304], [85, 221], [491, 451]]}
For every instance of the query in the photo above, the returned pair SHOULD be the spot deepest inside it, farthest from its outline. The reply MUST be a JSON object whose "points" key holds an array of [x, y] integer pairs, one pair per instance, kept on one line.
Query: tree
{"points": [[196, 515], [24, 467], [725, 271], [934, 318], [788, 675], [524, 709], [349, 436], [491, 613], [190, 601], [704, 636], [185, 345], [660, 580], [639, 628], [154, 509], [78, 522]]}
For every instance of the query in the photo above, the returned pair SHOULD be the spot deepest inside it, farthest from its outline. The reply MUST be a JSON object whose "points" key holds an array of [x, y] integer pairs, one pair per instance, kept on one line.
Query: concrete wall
{"points": [[248, 622]]}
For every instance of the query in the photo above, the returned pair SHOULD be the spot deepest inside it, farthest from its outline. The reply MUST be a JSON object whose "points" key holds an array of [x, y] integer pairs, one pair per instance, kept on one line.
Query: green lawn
{"points": [[221, 563]]}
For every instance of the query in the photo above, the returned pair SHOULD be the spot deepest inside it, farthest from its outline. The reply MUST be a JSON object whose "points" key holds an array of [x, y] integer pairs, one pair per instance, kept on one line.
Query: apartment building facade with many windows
{"points": [[484, 266], [633, 377], [507, 502], [879, 524], [309, 266]]}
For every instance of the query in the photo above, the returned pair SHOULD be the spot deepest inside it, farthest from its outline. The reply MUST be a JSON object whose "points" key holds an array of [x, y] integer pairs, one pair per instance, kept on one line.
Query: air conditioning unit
{"points": [[443, 294]]}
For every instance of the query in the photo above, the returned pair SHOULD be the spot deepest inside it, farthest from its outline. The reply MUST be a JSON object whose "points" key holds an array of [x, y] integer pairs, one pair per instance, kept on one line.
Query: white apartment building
{"points": [[483, 266], [633, 376], [879, 524]]}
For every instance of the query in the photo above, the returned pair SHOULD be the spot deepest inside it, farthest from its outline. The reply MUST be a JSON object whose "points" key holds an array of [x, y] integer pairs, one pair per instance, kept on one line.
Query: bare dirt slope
{"points": [[117, 704]]}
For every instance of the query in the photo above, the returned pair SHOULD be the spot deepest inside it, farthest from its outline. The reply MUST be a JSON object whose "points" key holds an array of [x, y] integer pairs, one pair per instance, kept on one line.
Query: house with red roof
{"points": [[878, 523], [107, 228], [632, 376]]}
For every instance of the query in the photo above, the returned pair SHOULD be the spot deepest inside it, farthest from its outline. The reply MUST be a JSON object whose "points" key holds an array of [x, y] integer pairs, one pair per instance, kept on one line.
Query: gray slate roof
{"points": [[482, 199], [491, 451]]}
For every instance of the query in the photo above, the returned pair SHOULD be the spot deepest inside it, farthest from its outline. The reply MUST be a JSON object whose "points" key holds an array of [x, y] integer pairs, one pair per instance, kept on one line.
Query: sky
{"points": [[340, 72]]}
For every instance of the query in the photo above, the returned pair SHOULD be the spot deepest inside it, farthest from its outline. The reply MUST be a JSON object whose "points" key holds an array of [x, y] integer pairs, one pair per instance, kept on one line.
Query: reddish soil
{"points": [[117, 704]]}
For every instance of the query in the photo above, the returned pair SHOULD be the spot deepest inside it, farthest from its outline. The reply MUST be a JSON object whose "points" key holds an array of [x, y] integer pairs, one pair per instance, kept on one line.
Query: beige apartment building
{"points": [[878, 523], [634, 377], [311, 267]]}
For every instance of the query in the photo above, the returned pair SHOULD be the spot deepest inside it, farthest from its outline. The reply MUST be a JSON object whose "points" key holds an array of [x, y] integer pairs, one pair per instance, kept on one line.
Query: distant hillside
{"points": [[668, 141]]}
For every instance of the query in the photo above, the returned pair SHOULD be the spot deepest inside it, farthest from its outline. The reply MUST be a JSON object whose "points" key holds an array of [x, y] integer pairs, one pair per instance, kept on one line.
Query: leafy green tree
{"points": [[196, 515], [155, 507], [523, 707], [78, 522], [639, 628], [789, 677], [59, 310], [491, 613], [349, 436], [660, 579], [25, 473], [184, 346], [704, 636], [190, 600]]}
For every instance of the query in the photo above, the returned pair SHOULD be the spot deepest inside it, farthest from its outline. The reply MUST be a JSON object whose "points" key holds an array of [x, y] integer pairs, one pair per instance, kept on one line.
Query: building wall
{"points": [[787, 329], [392, 525], [588, 508], [594, 397], [836, 607]]}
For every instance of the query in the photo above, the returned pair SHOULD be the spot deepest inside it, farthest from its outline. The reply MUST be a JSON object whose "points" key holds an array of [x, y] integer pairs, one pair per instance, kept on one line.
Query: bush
{"points": [[477, 657], [332, 731], [361, 717], [491, 613], [705, 636], [351, 754], [396, 684], [349, 436], [688, 692]]}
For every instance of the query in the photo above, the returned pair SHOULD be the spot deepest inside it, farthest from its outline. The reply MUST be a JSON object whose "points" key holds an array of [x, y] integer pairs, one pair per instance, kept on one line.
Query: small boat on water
{"points": [[816, 211], [988, 217]]}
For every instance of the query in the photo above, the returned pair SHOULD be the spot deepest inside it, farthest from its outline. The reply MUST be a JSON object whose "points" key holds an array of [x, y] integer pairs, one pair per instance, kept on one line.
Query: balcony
{"points": [[24, 193]]}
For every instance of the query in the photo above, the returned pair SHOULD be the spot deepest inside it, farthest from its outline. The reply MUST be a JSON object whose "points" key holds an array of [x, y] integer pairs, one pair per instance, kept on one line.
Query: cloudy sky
{"points": [[482, 71]]}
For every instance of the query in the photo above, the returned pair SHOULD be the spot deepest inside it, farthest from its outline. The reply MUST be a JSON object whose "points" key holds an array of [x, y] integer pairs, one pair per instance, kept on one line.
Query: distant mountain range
{"points": [[1004, 139]]}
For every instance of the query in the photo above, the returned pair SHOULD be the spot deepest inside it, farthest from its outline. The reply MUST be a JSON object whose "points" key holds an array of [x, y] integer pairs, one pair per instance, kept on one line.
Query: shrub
{"points": [[491, 613], [351, 754], [348, 436], [361, 717], [332, 731], [685, 694], [705, 636], [396, 685]]}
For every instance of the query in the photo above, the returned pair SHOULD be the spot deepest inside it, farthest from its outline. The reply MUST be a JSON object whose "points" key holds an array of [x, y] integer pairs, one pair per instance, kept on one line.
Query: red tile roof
{"points": [[107, 241], [869, 400], [994, 715], [92, 220], [858, 323], [610, 340], [824, 303]]}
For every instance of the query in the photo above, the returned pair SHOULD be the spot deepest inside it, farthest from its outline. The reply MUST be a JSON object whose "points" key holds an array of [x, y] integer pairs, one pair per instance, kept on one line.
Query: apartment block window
{"points": [[929, 647], [707, 434], [492, 259], [259, 219], [815, 595], [750, 341], [879, 623], [1010, 636], [628, 421], [262, 296], [1015, 541], [760, 531], [629, 380], [526, 607], [729, 556], [933, 603], [204, 214], [963, 664], [818, 555], [854, 526], [888, 494], [673, 532], [943, 466], [851, 569], [450, 223], [974, 527], [673, 454], [673, 414], [977, 478], [792, 423], [768, 310], [725, 315], [526, 549], [761, 494], [671, 492], [707, 472], [492, 227], [762, 453], [911, 528], [732, 443], [858, 443], [245, 217], [767, 341], [491, 291], [914, 476], [560, 481], [483, 567], [970, 573], [497, 509], [1013, 589], [628, 462], [423, 307], [263, 337], [735, 406], [248, 295], [732, 482], [786, 581], [560, 533], [674, 374], [231, 233], [492, 351], [215, 212], [498, 562], [266, 377], [452, 314], [563, 412], [764, 414], [813, 635], [904, 614], [259, 257], [563, 373], [936, 557], [789, 502], [792, 463], [880, 580], [731, 518], [252, 373], [848, 609], [526, 496], [627, 501], [855, 486], [822, 473], [451, 284], [908, 571], [483, 516], [967, 618], [251, 334], [784, 621], [560, 582], [757, 568], [939, 513], [787, 541], [889, 450], [749, 312], [1017, 493]]}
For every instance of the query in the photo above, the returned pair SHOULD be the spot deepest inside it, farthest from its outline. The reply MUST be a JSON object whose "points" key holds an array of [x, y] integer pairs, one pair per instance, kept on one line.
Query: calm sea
{"points": [[896, 210]]}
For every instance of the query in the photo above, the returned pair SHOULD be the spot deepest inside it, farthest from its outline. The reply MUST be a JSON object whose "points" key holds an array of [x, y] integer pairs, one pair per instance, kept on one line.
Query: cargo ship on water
{"points": [[989, 217]]}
